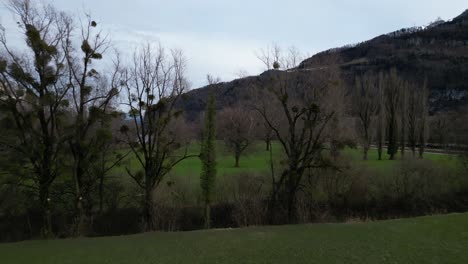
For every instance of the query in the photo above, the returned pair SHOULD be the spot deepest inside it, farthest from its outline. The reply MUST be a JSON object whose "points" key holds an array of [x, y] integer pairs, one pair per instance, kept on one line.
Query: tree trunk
{"points": [[421, 150], [148, 210], [403, 139], [237, 157], [291, 189], [82, 221], [268, 143], [291, 205], [272, 204], [402, 151], [380, 149], [392, 140], [365, 151], [101, 193], [44, 199], [334, 150], [207, 215], [291, 208], [422, 140]]}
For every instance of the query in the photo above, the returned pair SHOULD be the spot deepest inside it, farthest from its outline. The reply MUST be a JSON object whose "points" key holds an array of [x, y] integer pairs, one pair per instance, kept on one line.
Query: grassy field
{"points": [[257, 160], [433, 239]]}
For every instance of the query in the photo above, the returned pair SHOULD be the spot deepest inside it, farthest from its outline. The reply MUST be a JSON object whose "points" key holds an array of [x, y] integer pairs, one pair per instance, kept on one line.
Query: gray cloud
{"points": [[220, 37]]}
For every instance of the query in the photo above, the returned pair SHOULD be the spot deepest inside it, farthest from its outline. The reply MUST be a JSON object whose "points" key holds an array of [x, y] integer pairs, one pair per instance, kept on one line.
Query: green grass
{"points": [[257, 160], [434, 239], [385, 165]]}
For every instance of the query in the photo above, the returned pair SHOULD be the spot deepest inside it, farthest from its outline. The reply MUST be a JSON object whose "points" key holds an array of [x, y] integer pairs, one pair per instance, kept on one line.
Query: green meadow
{"points": [[431, 239]]}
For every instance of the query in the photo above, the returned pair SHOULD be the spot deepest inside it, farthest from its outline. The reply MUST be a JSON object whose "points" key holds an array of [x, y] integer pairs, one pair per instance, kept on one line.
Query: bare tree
{"points": [[263, 131], [422, 123], [271, 56], [337, 134], [440, 128], [412, 113], [241, 73], [265, 57], [381, 116], [365, 104], [304, 116], [154, 83], [212, 79], [235, 126], [403, 115], [417, 115], [292, 58], [275, 57]]}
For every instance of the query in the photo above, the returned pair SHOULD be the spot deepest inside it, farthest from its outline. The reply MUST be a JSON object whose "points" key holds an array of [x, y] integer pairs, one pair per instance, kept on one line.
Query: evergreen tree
{"points": [[208, 158]]}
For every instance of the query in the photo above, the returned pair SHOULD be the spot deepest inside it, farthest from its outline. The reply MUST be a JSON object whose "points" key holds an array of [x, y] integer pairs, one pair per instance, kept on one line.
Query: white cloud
{"points": [[218, 54]]}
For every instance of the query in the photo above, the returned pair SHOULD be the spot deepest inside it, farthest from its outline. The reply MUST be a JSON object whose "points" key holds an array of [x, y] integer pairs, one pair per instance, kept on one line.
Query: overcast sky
{"points": [[221, 37]]}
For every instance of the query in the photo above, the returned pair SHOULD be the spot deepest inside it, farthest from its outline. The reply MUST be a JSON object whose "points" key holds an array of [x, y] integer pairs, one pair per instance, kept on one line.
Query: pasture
{"points": [[431, 239]]}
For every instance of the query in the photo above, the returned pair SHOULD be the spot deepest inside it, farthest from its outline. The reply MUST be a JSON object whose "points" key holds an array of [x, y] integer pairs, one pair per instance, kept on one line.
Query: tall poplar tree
{"points": [[208, 158]]}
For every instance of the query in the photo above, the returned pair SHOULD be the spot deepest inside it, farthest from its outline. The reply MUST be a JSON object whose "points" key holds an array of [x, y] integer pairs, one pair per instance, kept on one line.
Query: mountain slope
{"points": [[438, 52]]}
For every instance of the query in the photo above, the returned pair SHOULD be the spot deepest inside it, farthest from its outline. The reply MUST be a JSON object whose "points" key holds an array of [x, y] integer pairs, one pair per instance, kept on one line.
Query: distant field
{"points": [[257, 160], [433, 239], [447, 160]]}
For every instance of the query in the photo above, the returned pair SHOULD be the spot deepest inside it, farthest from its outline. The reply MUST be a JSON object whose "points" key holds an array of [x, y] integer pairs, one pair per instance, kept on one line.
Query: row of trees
{"points": [[63, 131], [59, 112], [54, 100], [391, 111]]}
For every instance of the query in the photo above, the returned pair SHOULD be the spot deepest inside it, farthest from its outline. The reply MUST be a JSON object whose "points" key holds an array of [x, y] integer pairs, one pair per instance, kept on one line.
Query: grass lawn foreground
{"points": [[431, 239]]}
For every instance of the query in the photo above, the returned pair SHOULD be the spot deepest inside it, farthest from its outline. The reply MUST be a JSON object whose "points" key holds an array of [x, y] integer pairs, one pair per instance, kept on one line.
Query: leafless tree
{"points": [[381, 116], [292, 58], [337, 131], [440, 129], [275, 57], [263, 131], [270, 57], [412, 114], [212, 79], [403, 115], [305, 114], [241, 73], [235, 126], [422, 123], [417, 116], [365, 102], [154, 83]]}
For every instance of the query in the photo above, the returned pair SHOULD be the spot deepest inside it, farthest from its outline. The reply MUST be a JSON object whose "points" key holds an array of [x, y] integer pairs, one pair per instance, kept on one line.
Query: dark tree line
{"points": [[394, 110], [59, 113], [67, 123]]}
